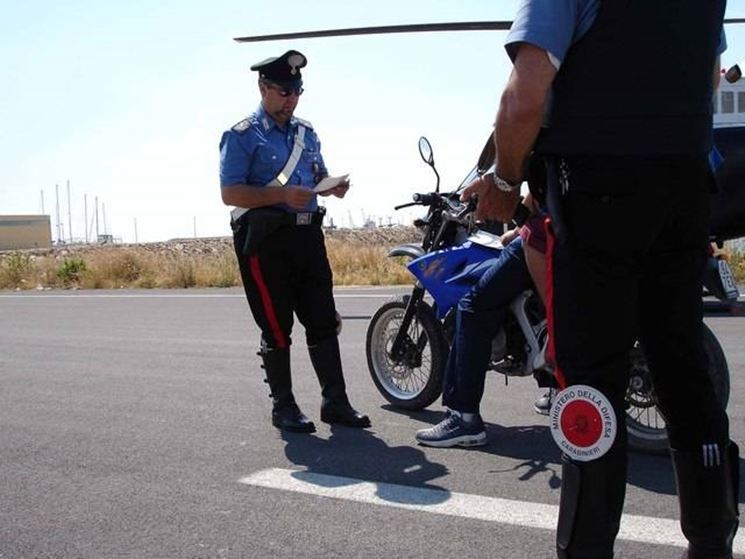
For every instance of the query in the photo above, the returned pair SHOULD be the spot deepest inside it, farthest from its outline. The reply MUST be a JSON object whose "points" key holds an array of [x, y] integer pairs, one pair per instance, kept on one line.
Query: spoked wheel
{"points": [[412, 377], [645, 424]]}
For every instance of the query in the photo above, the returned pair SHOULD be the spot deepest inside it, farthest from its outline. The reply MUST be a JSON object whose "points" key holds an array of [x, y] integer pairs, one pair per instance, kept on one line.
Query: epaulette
{"points": [[244, 125], [304, 123]]}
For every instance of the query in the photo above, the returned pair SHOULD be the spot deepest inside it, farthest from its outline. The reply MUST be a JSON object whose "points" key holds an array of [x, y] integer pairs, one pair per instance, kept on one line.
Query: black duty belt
{"points": [[304, 218], [273, 218]]}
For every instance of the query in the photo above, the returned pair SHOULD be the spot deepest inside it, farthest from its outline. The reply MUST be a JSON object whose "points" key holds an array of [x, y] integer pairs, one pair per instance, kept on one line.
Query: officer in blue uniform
{"points": [[269, 164], [631, 149]]}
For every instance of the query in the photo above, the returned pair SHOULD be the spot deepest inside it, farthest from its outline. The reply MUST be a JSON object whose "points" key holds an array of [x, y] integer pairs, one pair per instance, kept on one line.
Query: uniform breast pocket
{"points": [[312, 162], [311, 156], [267, 161]]}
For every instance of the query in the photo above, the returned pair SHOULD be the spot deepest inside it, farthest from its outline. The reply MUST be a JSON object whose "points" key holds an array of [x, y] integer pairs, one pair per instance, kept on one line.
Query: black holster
{"points": [[255, 226]]}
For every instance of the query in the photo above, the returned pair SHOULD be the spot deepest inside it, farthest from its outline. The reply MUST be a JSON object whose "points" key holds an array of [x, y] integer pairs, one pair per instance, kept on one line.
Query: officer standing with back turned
{"points": [[615, 96], [269, 164]]}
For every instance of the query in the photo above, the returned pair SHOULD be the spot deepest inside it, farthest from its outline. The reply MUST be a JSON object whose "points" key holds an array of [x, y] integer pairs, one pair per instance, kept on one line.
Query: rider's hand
{"points": [[509, 236], [297, 197]]}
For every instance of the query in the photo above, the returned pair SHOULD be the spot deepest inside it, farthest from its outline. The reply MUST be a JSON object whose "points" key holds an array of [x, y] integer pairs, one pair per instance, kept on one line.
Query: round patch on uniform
{"points": [[583, 422]]}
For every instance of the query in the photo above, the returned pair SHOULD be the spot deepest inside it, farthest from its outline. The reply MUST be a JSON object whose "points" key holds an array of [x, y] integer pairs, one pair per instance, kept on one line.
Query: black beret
{"points": [[283, 70]]}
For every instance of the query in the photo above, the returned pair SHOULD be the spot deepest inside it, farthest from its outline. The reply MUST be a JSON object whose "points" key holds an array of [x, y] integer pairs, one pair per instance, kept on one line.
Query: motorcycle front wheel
{"points": [[413, 379], [645, 424]]}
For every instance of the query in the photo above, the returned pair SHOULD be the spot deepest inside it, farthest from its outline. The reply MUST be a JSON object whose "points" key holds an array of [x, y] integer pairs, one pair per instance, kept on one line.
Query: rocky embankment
{"points": [[379, 236]]}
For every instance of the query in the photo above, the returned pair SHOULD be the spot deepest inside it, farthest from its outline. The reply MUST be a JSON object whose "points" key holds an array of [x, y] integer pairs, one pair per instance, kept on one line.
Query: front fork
{"points": [[401, 347]]}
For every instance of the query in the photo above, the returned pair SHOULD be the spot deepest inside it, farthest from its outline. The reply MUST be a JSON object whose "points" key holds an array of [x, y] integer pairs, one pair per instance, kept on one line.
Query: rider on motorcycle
{"points": [[479, 315]]}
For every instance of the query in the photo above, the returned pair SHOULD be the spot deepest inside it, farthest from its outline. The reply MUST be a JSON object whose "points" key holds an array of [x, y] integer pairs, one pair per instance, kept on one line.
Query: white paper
{"points": [[330, 182], [486, 239]]}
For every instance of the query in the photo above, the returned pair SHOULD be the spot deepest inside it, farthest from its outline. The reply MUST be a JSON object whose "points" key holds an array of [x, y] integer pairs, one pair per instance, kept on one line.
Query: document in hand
{"points": [[330, 182]]}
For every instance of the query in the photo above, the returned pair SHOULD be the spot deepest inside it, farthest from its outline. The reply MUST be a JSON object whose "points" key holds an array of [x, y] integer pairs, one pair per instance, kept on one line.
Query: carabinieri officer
{"points": [[269, 164]]}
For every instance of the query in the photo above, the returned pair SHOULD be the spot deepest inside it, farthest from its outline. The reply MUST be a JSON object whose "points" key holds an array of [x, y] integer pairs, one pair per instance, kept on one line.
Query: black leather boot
{"points": [[708, 486], [592, 495], [335, 407], [285, 413]]}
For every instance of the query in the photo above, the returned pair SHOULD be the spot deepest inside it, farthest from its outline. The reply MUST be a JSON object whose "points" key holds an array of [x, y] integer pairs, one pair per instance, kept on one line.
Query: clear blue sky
{"points": [[127, 101]]}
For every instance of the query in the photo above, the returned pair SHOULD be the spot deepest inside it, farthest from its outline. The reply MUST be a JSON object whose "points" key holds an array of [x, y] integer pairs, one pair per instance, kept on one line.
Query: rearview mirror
{"points": [[733, 73], [425, 150]]}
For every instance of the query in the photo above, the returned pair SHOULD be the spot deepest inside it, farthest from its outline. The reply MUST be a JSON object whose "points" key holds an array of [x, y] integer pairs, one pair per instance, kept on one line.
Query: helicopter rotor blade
{"points": [[384, 29]]}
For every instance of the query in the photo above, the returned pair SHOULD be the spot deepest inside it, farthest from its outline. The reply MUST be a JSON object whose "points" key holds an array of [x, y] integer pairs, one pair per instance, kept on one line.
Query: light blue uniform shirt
{"points": [[255, 150], [555, 25]]}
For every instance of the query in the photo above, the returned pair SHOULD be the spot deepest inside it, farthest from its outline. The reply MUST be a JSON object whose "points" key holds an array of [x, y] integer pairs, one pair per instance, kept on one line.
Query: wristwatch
{"points": [[505, 186]]}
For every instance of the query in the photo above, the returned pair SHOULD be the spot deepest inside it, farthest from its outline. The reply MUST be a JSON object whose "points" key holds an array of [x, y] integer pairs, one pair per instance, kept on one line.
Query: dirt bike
{"points": [[408, 340]]}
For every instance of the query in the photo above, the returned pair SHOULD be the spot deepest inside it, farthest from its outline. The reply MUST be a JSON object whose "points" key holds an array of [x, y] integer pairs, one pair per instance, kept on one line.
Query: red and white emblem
{"points": [[583, 422]]}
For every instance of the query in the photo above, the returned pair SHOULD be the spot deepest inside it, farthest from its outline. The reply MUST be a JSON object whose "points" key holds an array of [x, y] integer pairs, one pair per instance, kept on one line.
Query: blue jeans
{"points": [[479, 315]]}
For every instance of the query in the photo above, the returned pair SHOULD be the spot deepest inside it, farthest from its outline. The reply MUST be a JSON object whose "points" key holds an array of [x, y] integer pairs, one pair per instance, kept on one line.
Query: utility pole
{"points": [[42, 202], [59, 230], [85, 216], [105, 227], [96, 218], [136, 231], [69, 211]]}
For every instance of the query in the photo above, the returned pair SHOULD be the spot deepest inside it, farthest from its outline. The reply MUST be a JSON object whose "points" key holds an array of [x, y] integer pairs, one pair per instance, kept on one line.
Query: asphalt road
{"points": [[128, 420]]}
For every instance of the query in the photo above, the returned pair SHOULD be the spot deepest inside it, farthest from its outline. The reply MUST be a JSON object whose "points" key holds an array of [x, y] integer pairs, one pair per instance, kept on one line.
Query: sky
{"points": [[127, 101]]}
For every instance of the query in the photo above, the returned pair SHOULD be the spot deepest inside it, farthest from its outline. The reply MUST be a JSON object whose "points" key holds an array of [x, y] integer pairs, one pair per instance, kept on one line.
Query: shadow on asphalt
{"points": [[361, 455], [539, 455]]}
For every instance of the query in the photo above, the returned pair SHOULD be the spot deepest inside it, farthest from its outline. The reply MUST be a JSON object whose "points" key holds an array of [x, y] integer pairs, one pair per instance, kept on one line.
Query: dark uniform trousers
{"points": [[288, 273], [626, 257]]}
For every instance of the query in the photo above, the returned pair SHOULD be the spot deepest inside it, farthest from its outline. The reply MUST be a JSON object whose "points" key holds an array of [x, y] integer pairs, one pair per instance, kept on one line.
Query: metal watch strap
{"points": [[503, 185]]}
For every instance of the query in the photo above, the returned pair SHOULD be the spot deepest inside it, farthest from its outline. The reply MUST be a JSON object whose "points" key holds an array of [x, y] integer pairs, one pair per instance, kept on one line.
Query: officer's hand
{"points": [[497, 204], [338, 191], [473, 189], [297, 197]]}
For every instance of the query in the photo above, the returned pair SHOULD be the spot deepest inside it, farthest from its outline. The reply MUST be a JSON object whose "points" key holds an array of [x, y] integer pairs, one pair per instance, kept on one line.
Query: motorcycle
{"points": [[408, 339]]}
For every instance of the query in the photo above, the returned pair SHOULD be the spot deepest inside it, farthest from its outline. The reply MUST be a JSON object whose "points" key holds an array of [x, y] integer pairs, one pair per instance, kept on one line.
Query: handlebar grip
{"points": [[424, 199]]}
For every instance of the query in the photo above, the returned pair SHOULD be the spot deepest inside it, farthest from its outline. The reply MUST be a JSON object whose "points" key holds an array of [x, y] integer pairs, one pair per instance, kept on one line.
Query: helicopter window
{"points": [[728, 102], [741, 101]]}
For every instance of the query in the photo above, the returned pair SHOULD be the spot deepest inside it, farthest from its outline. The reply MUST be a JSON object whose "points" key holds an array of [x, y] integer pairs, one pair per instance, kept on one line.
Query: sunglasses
{"points": [[284, 91]]}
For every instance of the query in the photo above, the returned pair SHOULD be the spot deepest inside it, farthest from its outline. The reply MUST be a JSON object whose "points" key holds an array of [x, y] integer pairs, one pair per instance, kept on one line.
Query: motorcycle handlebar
{"points": [[422, 200], [425, 199]]}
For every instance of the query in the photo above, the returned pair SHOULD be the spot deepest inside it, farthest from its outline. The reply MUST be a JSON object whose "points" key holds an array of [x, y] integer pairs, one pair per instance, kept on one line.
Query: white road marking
{"points": [[641, 529]]}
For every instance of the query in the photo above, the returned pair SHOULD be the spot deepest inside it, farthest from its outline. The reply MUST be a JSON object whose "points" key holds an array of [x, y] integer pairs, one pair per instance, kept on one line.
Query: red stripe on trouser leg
{"points": [[551, 349], [266, 300]]}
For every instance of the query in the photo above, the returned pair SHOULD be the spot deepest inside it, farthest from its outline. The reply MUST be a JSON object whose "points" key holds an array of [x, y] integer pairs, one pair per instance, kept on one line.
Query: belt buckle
{"points": [[303, 218]]}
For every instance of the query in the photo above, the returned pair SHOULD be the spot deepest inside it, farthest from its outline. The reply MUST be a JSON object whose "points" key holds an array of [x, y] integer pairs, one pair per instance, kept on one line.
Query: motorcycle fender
{"points": [[409, 250]]}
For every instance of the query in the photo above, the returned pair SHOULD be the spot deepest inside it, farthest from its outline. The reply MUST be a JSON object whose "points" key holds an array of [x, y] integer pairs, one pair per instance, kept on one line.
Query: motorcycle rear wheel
{"points": [[413, 381], [644, 422]]}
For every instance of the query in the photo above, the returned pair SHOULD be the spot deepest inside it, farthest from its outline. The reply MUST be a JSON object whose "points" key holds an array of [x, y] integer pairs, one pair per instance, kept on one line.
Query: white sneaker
{"points": [[542, 405], [453, 431]]}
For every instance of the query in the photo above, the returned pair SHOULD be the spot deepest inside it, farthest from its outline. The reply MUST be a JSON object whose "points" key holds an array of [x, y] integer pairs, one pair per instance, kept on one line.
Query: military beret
{"points": [[282, 70]]}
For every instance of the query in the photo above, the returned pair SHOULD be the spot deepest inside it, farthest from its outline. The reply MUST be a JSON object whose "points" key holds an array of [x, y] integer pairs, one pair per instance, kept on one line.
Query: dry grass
{"points": [[178, 265], [357, 258], [737, 263], [358, 263]]}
